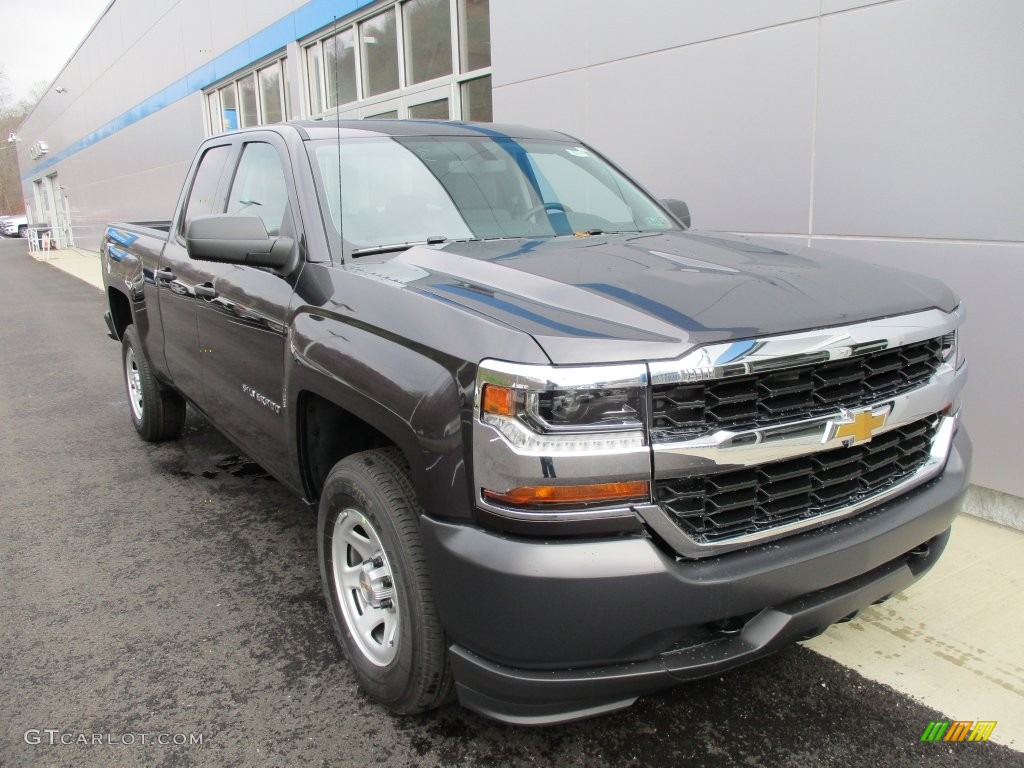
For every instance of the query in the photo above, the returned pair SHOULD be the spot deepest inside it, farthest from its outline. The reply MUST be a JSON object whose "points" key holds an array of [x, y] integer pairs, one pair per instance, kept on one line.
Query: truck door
{"points": [[242, 328], [178, 275]]}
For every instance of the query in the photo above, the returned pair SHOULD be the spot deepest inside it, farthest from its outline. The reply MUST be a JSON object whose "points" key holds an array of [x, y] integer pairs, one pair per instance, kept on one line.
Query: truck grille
{"points": [[770, 397], [722, 506]]}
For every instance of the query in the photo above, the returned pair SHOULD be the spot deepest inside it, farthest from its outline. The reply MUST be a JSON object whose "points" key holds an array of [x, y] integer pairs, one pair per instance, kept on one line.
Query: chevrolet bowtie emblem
{"points": [[856, 426]]}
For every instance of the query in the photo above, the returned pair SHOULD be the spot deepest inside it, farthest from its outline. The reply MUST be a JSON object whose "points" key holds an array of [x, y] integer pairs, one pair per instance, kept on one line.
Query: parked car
{"points": [[14, 226], [563, 450]]}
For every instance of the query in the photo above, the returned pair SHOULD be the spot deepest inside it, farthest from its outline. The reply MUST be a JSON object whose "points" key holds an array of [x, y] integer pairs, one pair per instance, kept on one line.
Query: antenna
{"points": [[337, 122]]}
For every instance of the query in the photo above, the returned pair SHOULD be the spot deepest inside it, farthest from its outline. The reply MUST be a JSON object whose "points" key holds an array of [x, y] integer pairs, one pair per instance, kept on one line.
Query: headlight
{"points": [[548, 412], [566, 410], [952, 350], [547, 400]]}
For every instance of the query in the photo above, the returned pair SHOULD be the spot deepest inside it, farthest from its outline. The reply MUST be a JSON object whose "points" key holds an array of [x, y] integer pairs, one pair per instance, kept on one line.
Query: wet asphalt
{"points": [[160, 593]]}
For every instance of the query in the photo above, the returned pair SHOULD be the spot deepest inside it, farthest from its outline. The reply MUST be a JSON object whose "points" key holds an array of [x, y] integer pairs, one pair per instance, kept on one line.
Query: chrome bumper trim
{"points": [[741, 358]]}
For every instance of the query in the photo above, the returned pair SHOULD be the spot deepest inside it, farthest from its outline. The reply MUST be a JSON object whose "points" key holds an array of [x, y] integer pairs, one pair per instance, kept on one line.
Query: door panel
{"points": [[178, 275], [243, 325], [175, 281]]}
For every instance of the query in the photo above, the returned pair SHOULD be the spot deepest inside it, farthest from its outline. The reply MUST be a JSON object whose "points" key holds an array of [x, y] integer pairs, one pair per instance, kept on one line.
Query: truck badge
{"points": [[856, 427]]}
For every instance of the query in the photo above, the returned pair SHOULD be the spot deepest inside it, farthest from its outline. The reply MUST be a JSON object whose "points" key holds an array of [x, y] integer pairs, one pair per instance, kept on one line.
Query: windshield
{"points": [[402, 190]]}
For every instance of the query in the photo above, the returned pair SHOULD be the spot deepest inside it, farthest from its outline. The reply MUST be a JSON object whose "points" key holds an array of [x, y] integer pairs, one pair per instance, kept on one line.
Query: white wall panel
{"points": [[729, 131], [196, 35], [921, 121], [615, 30], [835, 6], [537, 38], [725, 125]]}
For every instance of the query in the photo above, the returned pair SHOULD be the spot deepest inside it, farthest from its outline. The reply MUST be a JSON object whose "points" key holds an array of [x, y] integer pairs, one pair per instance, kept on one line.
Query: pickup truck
{"points": [[15, 225], [564, 451]]}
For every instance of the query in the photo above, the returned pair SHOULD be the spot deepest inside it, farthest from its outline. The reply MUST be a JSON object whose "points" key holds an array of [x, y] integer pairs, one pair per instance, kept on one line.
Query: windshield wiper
{"points": [[394, 247]]}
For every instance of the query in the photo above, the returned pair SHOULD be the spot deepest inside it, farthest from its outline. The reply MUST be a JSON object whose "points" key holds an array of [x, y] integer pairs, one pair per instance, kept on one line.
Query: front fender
{"points": [[413, 400]]}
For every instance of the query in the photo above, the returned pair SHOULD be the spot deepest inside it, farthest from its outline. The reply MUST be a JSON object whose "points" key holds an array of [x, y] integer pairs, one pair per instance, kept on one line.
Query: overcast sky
{"points": [[38, 36]]}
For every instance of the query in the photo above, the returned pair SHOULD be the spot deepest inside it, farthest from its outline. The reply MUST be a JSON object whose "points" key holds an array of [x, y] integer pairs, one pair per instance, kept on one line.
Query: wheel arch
{"points": [[351, 390], [120, 311]]}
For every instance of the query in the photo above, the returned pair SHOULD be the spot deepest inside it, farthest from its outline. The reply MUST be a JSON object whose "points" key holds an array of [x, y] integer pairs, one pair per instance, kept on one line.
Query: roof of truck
{"points": [[329, 129]]}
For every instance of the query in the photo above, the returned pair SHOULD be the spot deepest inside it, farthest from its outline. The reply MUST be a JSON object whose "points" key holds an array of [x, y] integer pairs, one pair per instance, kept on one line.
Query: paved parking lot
{"points": [[170, 593]]}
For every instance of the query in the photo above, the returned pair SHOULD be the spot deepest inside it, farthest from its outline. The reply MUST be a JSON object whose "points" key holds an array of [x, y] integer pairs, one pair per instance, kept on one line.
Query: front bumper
{"points": [[545, 632]]}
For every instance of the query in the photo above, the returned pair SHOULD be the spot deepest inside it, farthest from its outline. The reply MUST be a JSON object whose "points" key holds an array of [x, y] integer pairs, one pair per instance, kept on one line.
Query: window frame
{"points": [[400, 100], [407, 94], [214, 124]]}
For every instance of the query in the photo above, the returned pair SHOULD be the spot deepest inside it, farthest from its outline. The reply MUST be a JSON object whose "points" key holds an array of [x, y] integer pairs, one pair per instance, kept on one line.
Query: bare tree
{"points": [[12, 115]]}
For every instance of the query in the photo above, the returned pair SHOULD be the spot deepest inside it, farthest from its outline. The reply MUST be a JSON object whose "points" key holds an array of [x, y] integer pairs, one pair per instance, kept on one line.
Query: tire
{"points": [[23, 230], [376, 583], [158, 413]]}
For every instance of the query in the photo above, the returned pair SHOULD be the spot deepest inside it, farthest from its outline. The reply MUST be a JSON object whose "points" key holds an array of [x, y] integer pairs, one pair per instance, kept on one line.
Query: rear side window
{"points": [[201, 200], [259, 188]]}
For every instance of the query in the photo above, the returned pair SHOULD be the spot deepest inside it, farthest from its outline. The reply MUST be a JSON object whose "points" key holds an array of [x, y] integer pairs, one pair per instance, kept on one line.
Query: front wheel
{"points": [[376, 583], [158, 413]]}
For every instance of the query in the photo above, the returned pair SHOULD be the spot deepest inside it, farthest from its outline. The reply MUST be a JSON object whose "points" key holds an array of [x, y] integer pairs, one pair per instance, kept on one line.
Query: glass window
{"points": [[379, 40], [387, 194], [216, 119], [229, 107], [270, 93], [474, 34], [340, 65], [202, 196], [259, 188], [428, 40], [574, 187], [391, 114], [408, 189], [247, 98], [432, 110], [476, 100]]}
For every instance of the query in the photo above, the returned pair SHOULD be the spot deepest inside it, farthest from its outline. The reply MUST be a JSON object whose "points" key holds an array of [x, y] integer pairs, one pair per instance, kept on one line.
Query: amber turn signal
{"points": [[534, 495], [499, 400]]}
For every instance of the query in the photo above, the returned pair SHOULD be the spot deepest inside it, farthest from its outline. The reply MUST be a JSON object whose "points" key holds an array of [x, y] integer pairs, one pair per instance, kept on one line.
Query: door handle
{"points": [[206, 291], [164, 274]]}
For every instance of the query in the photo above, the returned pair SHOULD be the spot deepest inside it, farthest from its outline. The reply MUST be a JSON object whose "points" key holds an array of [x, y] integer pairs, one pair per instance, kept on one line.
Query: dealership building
{"points": [[887, 130]]}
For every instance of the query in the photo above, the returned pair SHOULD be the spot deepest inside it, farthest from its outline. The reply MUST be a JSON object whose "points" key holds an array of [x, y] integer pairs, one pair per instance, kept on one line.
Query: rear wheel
{"points": [[158, 412], [376, 583]]}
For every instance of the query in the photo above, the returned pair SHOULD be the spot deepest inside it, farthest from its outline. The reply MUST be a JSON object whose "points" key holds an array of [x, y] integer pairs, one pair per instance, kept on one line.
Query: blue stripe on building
{"points": [[303, 21]]}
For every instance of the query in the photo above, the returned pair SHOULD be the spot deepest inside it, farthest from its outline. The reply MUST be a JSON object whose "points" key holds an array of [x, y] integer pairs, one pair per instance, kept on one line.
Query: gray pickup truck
{"points": [[564, 451]]}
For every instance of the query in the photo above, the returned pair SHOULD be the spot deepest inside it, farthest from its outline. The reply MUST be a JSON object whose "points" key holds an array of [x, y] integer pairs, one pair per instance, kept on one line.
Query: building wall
{"points": [[886, 130], [123, 132]]}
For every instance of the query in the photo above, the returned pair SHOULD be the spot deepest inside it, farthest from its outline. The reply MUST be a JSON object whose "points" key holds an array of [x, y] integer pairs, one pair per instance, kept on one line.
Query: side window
{"points": [[259, 188], [204, 188]]}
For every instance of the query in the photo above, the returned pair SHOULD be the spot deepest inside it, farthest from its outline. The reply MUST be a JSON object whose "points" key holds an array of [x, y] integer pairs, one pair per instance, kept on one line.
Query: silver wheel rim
{"points": [[131, 373], [365, 587]]}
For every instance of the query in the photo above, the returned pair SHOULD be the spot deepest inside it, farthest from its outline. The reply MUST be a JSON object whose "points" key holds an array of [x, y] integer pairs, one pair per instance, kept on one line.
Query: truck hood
{"points": [[652, 296]]}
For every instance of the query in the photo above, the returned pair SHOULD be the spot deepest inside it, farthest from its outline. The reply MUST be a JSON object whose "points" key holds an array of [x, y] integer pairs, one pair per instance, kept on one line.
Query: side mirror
{"points": [[236, 240], [679, 209]]}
